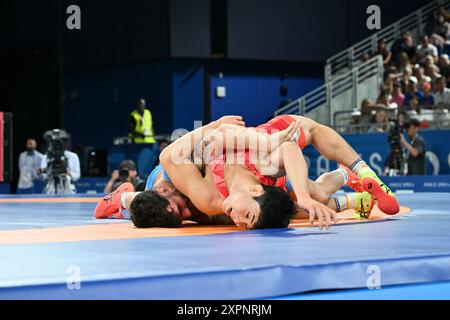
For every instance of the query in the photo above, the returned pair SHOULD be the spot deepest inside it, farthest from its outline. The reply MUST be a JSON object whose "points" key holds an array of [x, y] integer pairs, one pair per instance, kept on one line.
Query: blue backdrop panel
{"points": [[255, 96], [144, 155], [5, 187], [252, 264], [419, 183], [374, 149]]}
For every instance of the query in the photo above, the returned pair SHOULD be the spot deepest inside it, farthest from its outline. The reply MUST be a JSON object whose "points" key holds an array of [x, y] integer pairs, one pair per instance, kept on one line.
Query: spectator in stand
{"points": [[405, 77], [365, 56], [355, 121], [444, 66], [397, 96], [404, 63], [427, 99], [381, 121], [419, 74], [404, 45], [440, 32], [443, 11], [426, 49], [441, 93], [433, 72], [413, 108], [384, 52], [385, 100], [392, 73], [412, 91]]}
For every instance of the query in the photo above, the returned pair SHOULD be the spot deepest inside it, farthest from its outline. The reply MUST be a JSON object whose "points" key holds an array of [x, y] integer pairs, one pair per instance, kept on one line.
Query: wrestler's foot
{"points": [[110, 206], [387, 202], [364, 205], [353, 181]]}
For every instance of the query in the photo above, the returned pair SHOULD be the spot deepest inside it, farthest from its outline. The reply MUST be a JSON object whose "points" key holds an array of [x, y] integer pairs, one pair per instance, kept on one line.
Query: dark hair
{"points": [[406, 34], [412, 122], [128, 165], [277, 208], [149, 210]]}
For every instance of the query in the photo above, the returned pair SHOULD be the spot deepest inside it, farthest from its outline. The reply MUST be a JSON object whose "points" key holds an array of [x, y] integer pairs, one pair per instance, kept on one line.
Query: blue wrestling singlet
{"points": [[154, 174]]}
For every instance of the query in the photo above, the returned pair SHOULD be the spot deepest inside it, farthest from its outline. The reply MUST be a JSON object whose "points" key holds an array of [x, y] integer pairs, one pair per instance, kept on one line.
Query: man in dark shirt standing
{"points": [[416, 149]]}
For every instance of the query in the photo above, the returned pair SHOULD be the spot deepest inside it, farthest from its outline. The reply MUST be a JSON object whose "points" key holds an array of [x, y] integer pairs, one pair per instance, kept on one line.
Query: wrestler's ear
{"points": [[257, 189], [163, 189]]}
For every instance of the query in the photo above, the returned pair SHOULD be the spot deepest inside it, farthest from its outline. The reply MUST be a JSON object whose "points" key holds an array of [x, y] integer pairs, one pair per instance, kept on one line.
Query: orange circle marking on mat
{"points": [[126, 230]]}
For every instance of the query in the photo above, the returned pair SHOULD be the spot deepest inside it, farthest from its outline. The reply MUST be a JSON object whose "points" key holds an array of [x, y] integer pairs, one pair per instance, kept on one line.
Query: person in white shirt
{"points": [[29, 164], [441, 93], [426, 49]]}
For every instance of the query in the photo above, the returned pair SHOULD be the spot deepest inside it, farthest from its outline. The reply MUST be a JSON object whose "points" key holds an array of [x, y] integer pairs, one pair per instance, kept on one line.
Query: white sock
{"points": [[341, 203], [122, 199], [357, 166], [344, 174]]}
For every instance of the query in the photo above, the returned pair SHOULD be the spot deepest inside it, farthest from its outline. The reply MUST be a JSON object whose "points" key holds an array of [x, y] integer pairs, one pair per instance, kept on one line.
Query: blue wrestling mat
{"points": [[56, 250]]}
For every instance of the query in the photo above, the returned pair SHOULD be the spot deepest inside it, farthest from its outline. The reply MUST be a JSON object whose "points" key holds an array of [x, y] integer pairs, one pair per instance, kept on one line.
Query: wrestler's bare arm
{"points": [[236, 138], [289, 158], [185, 175]]}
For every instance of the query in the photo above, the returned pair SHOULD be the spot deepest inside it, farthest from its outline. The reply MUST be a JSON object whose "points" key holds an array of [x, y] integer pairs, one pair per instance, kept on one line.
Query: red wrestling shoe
{"points": [[353, 181], [110, 206], [387, 201]]}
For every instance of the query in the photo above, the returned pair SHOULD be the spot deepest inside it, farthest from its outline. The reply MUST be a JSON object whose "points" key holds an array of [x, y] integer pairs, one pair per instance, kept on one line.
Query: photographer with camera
{"points": [[395, 162], [416, 149], [60, 167], [127, 173]]}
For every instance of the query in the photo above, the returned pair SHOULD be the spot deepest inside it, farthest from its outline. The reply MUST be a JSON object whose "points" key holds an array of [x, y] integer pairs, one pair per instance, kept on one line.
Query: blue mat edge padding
{"points": [[245, 281], [417, 291], [253, 283]]}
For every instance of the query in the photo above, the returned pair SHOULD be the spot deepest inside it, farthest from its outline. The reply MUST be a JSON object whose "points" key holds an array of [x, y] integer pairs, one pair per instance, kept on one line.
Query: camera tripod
{"points": [[396, 162], [59, 184]]}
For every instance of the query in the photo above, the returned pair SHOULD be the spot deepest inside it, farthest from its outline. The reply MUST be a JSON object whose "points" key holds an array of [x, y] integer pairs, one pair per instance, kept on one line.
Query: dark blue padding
{"points": [[421, 291], [247, 265]]}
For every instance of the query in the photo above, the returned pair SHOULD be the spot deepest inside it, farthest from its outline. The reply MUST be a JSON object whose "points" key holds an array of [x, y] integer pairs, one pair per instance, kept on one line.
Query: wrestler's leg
{"points": [[327, 184], [332, 146], [361, 202]]}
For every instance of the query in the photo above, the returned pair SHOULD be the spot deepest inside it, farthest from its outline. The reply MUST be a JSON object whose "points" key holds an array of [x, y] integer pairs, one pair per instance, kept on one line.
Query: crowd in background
{"points": [[416, 80]]}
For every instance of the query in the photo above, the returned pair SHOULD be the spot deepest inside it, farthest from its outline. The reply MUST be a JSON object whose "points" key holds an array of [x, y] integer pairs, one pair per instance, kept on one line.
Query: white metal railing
{"points": [[344, 92], [414, 22]]}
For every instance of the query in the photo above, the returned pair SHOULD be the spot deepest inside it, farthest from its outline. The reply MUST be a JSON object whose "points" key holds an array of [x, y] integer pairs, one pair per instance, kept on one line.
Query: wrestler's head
{"points": [[162, 207], [260, 207]]}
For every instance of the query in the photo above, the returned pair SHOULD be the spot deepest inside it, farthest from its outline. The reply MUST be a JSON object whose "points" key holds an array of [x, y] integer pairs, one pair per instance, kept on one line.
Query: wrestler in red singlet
{"points": [[275, 125]]}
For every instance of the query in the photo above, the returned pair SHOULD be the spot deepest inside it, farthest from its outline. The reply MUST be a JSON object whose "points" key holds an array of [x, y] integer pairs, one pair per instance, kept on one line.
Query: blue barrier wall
{"points": [[5, 188], [188, 93], [253, 90], [98, 101], [374, 149]]}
